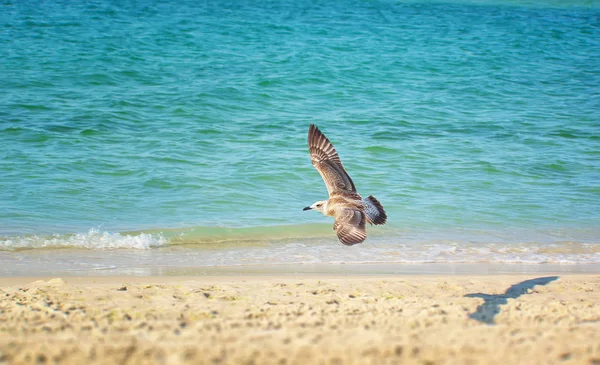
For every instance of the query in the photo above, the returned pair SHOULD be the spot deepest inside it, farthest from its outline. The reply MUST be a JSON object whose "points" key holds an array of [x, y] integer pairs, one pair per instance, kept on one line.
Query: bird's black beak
{"points": [[307, 208]]}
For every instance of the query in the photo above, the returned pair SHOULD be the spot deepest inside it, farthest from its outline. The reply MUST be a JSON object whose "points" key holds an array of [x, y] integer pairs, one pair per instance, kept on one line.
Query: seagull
{"points": [[350, 210]]}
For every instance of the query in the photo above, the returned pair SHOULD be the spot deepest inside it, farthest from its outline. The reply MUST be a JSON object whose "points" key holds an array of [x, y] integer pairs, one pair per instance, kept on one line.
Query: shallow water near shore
{"points": [[146, 131]]}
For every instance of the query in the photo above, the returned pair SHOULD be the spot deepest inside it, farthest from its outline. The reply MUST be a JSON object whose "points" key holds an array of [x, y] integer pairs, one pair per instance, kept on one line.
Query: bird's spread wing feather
{"points": [[326, 160], [350, 226]]}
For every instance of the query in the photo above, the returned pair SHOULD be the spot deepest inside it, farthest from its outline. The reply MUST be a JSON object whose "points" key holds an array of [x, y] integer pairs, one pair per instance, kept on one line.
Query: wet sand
{"points": [[303, 319]]}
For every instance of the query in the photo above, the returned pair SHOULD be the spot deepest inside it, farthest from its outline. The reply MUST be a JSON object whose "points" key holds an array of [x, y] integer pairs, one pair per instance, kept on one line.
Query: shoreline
{"points": [[106, 281], [341, 269], [10, 281]]}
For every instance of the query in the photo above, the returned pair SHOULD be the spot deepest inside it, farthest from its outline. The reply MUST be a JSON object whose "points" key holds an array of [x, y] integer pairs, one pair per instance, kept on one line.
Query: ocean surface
{"points": [[174, 134]]}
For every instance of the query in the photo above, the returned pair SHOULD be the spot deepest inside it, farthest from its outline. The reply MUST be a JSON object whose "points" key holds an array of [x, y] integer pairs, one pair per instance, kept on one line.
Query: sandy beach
{"points": [[408, 319]]}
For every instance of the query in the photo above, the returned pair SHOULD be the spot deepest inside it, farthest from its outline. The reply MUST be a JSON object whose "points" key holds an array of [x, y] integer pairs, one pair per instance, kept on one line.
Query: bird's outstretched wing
{"points": [[326, 160], [350, 226]]}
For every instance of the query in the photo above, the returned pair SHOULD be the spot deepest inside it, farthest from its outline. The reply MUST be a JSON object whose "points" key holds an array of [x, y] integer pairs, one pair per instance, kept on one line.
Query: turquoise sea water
{"points": [[181, 127]]}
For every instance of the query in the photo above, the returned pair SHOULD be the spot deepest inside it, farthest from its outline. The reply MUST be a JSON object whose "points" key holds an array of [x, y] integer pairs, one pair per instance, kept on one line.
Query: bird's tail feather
{"points": [[374, 210]]}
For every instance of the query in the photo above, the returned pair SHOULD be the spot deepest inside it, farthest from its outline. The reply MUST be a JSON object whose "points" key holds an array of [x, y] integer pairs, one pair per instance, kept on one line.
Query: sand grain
{"points": [[301, 320]]}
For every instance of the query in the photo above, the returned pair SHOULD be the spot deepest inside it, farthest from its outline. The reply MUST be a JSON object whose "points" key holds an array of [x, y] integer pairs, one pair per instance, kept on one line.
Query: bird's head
{"points": [[318, 206]]}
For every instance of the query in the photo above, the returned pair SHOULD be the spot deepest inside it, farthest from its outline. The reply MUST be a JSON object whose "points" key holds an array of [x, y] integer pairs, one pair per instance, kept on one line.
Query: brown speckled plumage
{"points": [[350, 210]]}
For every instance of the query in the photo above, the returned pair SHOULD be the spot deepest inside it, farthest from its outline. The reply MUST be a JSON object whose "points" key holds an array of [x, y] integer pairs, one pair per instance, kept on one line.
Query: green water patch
{"points": [[226, 237]]}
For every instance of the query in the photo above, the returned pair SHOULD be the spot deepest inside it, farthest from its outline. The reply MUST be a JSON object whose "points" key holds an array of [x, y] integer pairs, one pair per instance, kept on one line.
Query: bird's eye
{"points": [[318, 205]]}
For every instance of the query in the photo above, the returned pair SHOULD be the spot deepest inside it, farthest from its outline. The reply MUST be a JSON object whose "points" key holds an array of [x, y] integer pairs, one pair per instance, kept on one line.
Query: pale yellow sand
{"points": [[302, 320]]}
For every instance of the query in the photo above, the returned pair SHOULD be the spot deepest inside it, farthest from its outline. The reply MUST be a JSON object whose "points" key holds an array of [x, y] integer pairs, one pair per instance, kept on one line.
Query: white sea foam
{"points": [[18, 255], [202, 250], [93, 239]]}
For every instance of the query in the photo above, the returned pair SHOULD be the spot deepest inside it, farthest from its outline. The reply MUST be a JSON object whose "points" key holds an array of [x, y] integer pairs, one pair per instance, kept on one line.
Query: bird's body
{"points": [[350, 210]]}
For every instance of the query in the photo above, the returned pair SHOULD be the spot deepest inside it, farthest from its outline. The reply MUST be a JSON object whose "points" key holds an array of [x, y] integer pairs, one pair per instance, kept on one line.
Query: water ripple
{"points": [[461, 113]]}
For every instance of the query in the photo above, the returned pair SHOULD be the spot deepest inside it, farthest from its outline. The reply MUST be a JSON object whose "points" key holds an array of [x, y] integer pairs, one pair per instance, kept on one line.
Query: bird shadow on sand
{"points": [[491, 306]]}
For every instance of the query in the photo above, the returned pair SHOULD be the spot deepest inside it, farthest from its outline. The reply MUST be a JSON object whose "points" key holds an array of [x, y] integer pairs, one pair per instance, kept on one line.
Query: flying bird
{"points": [[350, 210]]}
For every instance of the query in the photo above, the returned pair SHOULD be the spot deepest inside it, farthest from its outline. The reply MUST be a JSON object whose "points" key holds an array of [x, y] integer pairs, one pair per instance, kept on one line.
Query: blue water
{"points": [[151, 124]]}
